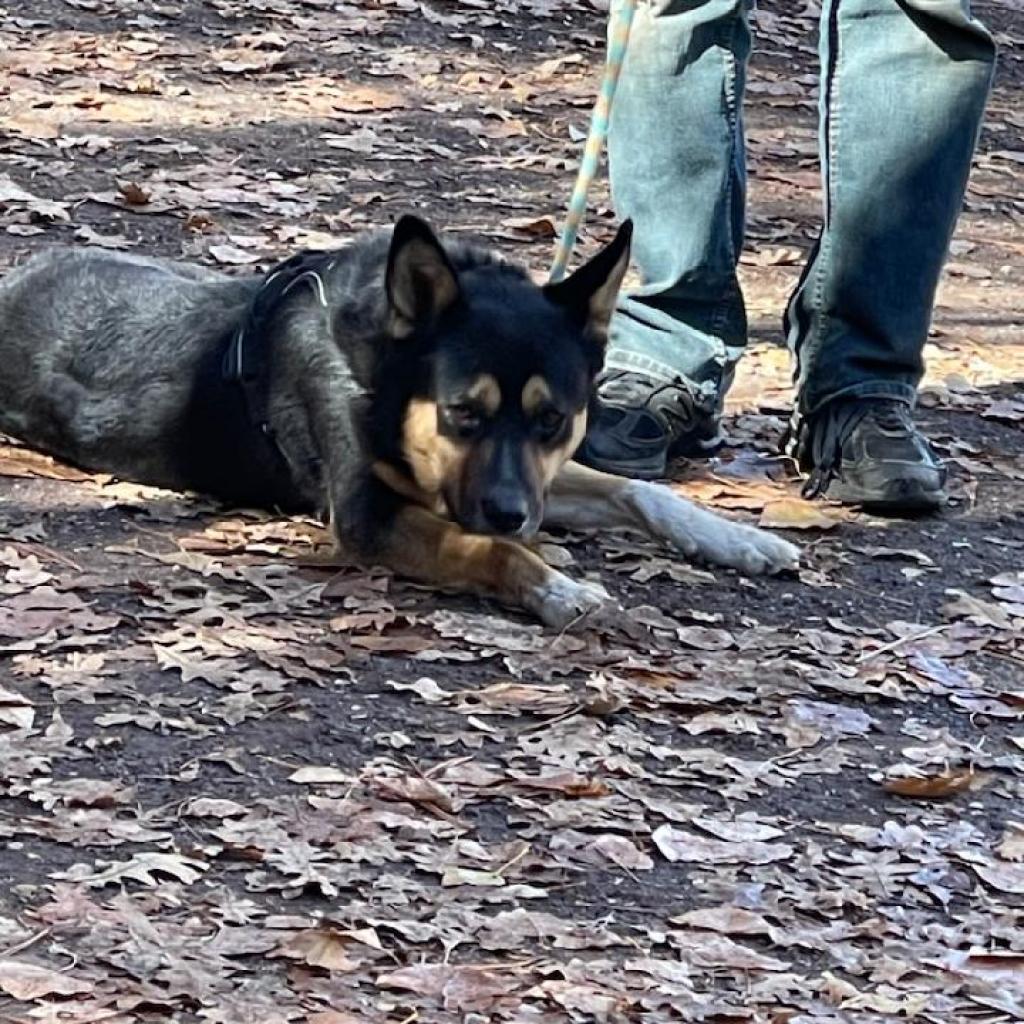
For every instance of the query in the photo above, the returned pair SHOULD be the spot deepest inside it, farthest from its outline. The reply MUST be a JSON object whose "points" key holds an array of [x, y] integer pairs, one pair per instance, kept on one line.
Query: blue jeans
{"points": [[903, 91]]}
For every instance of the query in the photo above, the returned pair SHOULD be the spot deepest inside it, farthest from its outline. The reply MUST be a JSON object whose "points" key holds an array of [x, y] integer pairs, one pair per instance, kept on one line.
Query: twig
{"points": [[549, 722], [878, 596], [886, 648], [22, 946], [514, 861], [46, 553]]}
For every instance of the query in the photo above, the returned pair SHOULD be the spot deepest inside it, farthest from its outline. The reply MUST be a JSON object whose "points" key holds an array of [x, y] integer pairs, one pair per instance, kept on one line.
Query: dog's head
{"points": [[508, 370]]}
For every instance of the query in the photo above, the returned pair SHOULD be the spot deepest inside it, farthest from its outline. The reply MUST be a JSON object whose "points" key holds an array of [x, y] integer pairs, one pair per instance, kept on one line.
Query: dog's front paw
{"points": [[697, 532], [751, 550], [560, 602]]}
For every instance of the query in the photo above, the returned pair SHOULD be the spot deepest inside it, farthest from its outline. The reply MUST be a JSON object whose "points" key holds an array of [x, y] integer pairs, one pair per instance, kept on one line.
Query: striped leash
{"points": [[617, 41]]}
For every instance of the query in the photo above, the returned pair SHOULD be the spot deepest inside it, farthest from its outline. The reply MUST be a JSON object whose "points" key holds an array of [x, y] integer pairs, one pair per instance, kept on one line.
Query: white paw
{"points": [[751, 550], [697, 532], [560, 601]]}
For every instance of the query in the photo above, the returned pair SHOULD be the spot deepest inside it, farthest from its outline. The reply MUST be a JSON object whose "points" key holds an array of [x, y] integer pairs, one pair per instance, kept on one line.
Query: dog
{"points": [[426, 398]]}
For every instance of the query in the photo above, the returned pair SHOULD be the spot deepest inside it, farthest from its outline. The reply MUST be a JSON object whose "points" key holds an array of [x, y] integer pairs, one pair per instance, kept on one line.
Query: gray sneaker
{"points": [[867, 451], [638, 423]]}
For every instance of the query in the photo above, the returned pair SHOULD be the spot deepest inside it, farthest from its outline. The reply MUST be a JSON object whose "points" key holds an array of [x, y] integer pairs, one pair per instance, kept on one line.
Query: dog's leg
{"points": [[587, 499], [426, 547], [419, 543]]}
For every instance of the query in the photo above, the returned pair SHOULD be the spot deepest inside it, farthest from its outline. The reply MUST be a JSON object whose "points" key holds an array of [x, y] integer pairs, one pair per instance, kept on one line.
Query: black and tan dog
{"points": [[428, 397]]}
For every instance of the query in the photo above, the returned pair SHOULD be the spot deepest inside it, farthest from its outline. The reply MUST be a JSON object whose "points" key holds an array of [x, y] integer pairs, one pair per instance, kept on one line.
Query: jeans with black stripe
{"points": [[903, 91]]}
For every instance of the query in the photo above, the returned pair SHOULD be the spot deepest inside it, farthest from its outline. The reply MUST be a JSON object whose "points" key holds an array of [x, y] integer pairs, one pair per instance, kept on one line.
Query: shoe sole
{"points": [[697, 447], [905, 498], [654, 468], [635, 469]]}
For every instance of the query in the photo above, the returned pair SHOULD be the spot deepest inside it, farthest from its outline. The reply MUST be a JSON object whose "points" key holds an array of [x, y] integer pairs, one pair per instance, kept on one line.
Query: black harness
{"points": [[247, 359]]}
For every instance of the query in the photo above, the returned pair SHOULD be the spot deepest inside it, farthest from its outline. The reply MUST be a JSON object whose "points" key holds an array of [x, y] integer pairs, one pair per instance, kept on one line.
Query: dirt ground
{"points": [[239, 786]]}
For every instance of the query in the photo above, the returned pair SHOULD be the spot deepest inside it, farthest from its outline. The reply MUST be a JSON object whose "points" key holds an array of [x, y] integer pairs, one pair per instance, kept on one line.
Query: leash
{"points": [[617, 42]]}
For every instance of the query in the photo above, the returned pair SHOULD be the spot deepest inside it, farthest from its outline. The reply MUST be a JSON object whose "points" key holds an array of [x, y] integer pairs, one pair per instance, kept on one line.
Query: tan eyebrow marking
{"points": [[486, 390], [536, 392]]}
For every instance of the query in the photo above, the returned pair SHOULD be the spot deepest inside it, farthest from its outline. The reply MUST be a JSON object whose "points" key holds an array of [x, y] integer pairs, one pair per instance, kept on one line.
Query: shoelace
{"points": [[681, 412], [623, 387], [827, 433]]}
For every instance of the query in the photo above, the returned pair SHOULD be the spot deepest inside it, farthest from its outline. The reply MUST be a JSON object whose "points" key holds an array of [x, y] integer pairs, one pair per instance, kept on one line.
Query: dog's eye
{"points": [[550, 421], [464, 418]]}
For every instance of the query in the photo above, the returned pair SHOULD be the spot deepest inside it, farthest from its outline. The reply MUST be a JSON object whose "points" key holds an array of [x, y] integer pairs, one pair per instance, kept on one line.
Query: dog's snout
{"points": [[505, 513]]}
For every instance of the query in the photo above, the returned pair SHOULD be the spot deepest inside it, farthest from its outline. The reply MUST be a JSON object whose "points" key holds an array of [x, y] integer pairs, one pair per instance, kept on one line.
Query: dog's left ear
{"points": [[421, 282], [592, 290]]}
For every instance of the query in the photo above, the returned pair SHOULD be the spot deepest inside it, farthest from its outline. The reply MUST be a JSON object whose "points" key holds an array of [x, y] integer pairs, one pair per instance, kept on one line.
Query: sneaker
{"points": [[867, 451], [639, 423]]}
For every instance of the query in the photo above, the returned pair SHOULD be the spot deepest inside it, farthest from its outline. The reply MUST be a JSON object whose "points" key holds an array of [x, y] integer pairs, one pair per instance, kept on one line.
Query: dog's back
{"points": [[100, 352]]}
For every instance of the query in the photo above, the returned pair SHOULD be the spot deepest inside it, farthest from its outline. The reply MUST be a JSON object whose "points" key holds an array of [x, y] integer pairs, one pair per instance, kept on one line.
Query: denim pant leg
{"points": [[904, 85], [676, 161]]}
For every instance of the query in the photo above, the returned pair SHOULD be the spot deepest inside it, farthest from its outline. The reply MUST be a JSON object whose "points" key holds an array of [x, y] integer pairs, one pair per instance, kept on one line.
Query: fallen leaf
{"points": [[735, 723], [619, 850], [736, 830], [143, 867], [585, 1000], [233, 255], [453, 876], [27, 981], [319, 947], [133, 193], [415, 789], [211, 807], [706, 949], [458, 988], [676, 845], [1011, 846], [896, 554], [23, 462], [46, 209], [984, 613], [725, 920], [796, 514], [397, 643], [932, 787], [703, 638], [1004, 877], [15, 710], [535, 227], [320, 775]]}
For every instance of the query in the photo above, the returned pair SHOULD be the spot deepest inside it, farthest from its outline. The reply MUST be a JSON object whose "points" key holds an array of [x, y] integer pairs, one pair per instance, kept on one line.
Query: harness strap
{"points": [[247, 358]]}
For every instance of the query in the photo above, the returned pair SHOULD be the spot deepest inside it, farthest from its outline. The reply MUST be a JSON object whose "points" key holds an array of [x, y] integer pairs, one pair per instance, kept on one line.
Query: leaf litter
{"points": [[239, 782]]}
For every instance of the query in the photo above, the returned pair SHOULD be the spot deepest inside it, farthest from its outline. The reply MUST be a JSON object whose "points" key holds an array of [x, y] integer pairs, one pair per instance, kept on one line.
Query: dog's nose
{"points": [[505, 515]]}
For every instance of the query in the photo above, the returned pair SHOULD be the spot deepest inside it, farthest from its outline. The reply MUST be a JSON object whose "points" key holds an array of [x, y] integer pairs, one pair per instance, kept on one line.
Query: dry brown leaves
{"points": [[240, 782]]}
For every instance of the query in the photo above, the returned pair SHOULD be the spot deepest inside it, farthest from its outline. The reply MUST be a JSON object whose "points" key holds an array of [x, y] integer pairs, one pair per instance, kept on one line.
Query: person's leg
{"points": [[676, 161], [904, 84]]}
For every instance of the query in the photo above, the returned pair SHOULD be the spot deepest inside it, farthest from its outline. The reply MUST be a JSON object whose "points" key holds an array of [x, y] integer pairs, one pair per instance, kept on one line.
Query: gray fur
{"points": [[99, 354], [96, 350]]}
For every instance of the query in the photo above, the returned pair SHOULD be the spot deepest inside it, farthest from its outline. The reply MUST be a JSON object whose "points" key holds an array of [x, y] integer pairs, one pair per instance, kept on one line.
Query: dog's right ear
{"points": [[421, 281], [590, 292]]}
